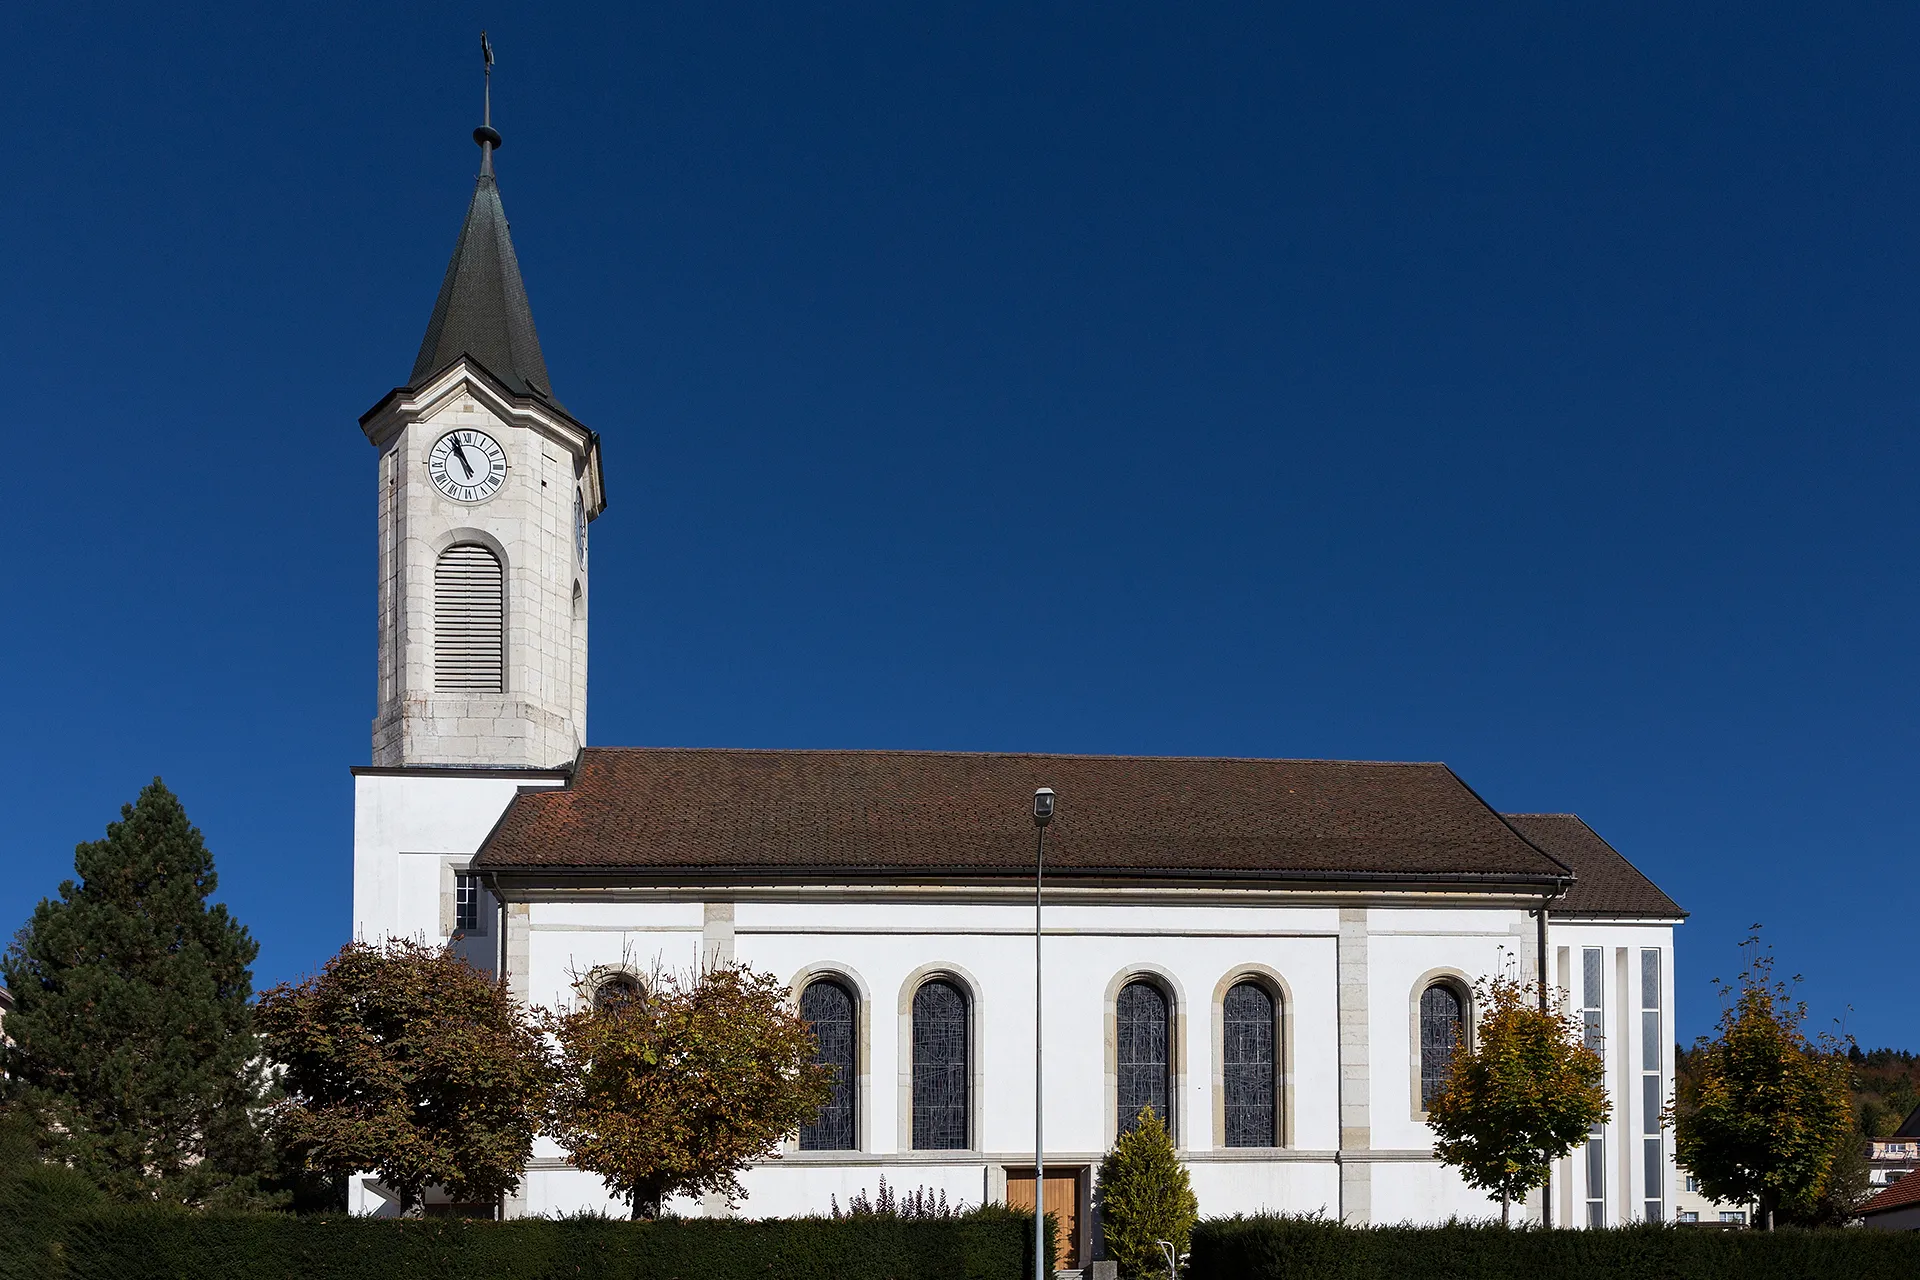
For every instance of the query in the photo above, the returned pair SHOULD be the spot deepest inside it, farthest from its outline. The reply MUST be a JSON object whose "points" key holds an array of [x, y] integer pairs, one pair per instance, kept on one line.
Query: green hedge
{"points": [[51, 1229], [1280, 1248]]}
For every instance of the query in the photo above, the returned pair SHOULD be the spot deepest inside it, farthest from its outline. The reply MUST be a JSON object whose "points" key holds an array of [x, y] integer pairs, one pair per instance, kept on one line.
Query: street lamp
{"points": [[1042, 815]]}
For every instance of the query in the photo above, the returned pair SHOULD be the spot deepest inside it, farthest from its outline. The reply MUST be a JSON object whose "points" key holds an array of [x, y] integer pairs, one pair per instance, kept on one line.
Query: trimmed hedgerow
{"points": [[126, 1243], [1284, 1248]]}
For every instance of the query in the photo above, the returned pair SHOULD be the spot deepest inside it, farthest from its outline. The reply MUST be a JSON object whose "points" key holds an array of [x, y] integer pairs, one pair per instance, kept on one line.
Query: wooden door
{"points": [[1062, 1201]]}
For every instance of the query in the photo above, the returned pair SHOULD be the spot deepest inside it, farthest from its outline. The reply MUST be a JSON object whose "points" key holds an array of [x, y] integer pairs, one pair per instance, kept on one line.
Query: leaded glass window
{"points": [[616, 992], [828, 1007], [1247, 1066], [1440, 1034], [940, 1072], [1141, 1037]]}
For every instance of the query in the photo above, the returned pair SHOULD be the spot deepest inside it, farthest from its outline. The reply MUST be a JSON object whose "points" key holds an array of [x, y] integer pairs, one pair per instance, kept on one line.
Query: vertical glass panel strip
{"points": [[1650, 1040], [1650, 978], [1590, 963]]}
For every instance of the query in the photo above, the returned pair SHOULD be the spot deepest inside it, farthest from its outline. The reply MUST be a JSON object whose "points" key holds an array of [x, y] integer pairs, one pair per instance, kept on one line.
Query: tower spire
{"points": [[486, 135]]}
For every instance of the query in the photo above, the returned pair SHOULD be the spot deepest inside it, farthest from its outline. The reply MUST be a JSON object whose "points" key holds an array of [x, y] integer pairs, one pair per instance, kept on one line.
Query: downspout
{"points": [[1540, 983]]}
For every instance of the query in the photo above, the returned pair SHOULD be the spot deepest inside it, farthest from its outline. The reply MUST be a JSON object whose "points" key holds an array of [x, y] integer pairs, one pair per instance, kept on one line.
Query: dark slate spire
{"points": [[482, 311]]}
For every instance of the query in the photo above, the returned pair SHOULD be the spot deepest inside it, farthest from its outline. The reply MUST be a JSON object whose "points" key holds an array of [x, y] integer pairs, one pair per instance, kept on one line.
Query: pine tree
{"points": [[1145, 1197], [131, 1040]]}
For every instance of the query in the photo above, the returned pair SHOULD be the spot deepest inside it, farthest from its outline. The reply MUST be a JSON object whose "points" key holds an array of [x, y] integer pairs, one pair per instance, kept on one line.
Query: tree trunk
{"points": [[1505, 1209], [646, 1201]]}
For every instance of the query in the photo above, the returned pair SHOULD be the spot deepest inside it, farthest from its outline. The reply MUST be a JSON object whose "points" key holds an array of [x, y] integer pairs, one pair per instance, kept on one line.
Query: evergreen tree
{"points": [[131, 1040], [1145, 1197]]}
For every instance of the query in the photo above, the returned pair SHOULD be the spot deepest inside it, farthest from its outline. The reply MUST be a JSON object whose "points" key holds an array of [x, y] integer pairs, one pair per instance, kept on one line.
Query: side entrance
{"points": [[1065, 1197]]}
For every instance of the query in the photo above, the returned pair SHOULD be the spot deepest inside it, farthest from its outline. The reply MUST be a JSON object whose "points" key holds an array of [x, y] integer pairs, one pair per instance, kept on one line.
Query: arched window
{"points": [[1442, 1026], [940, 1067], [617, 992], [1142, 1038], [1247, 1066], [469, 613], [828, 1007]]}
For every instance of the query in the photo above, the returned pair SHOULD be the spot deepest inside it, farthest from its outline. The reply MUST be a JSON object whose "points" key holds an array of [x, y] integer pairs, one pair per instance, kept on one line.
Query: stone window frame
{"points": [[1282, 994], [847, 976], [453, 865], [588, 984], [1462, 986], [1176, 1049], [976, 1056]]}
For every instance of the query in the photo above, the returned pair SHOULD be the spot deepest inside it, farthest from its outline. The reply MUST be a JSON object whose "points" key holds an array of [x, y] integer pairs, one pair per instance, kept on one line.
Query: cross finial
{"points": [[486, 135]]}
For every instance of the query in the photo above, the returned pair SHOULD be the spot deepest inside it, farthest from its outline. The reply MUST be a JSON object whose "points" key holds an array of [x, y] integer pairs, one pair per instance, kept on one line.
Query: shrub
{"points": [[1144, 1197]]}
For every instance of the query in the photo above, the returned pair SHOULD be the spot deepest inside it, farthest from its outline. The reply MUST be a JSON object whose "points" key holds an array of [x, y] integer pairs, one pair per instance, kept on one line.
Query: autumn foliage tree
{"points": [[674, 1091], [408, 1062], [1760, 1116], [1524, 1094]]}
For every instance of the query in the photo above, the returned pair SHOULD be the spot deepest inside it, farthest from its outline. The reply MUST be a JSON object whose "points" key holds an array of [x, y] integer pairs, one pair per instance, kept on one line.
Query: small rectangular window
{"points": [[1693, 1184], [1734, 1215], [1590, 964], [1689, 1215], [466, 901], [1650, 978]]}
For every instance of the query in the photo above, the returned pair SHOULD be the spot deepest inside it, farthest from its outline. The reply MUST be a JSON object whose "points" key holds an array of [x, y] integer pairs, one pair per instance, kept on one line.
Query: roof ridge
{"points": [[1025, 755]]}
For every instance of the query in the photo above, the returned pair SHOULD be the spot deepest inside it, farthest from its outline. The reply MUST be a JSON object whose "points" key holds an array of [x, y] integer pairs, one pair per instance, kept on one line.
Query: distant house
{"points": [[1693, 1207], [1897, 1208], [1893, 1157]]}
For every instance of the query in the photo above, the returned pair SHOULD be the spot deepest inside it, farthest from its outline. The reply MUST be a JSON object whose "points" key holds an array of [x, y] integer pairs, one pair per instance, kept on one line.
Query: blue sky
{"points": [[1534, 391]]}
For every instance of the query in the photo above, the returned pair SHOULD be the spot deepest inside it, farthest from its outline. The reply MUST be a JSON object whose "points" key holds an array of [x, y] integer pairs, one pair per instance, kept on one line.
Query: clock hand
{"points": [[461, 454]]}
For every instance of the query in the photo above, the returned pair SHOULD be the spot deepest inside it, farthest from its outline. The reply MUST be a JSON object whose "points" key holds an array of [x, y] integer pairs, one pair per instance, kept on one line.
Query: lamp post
{"points": [[1042, 815]]}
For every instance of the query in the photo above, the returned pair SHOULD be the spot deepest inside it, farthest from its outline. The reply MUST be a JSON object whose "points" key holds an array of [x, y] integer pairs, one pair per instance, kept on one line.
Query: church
{"points": [[1278, 955]]}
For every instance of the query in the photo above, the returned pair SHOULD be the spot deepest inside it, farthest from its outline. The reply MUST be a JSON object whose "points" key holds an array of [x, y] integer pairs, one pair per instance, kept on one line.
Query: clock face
{"points": [[580, 529], [467, 466]]}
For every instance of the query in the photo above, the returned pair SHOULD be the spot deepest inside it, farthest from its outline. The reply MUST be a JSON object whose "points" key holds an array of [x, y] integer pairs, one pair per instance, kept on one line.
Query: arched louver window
{"points": [[827, 1006], [1248, 1066], [469, 615], [1441, 1026], [617, 992], [940, 1083], [1142, 1039]]}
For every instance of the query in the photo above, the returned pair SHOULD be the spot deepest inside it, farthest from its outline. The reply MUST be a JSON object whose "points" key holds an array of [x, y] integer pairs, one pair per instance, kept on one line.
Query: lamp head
{"points": [[1042, 806]]}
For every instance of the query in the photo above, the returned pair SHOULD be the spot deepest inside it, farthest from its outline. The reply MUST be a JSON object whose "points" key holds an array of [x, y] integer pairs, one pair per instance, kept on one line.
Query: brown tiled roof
{"points": [[1898, 1196], [1606, 884], [859, 813]]}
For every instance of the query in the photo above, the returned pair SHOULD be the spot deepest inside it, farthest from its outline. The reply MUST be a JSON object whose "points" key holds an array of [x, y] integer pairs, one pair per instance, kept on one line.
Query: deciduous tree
{"points": [[1523, 1094], [673, 1092], [1145, 1196], [1758, 1117], [406, 1061], [131, 1041]]}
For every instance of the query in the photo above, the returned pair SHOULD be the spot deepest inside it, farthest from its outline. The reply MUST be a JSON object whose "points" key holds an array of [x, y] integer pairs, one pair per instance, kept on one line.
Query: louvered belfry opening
{"points": [[469, 642]]}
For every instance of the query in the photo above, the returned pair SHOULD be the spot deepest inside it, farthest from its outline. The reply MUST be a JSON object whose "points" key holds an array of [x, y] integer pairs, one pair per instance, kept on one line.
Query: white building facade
{"points": [[1271, 953]]}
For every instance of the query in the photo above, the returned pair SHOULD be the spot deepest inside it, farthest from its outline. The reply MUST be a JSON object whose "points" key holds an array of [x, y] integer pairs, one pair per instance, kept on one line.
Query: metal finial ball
{"points": [[487, 136]]}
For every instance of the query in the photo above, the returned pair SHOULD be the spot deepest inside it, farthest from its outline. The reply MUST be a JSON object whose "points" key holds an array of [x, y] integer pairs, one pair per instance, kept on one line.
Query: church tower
{"points": [[487, 486]]}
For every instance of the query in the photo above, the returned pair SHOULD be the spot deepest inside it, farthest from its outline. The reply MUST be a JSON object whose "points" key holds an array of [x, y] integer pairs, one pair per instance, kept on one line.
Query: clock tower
{"points": [[486, 488]]}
